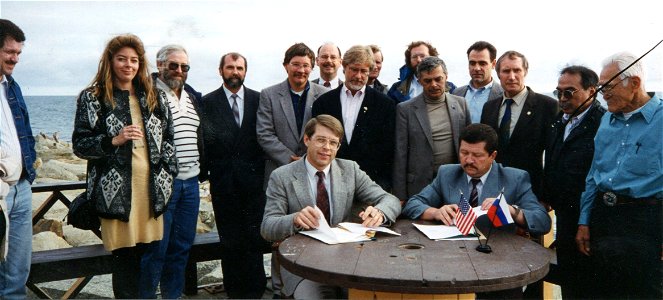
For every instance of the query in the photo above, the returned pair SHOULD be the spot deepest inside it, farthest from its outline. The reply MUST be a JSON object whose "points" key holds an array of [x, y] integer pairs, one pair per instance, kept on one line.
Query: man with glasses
{"points": [[568, 156], [236, 170], [17, 139], [427, 130], [167, 261], [481, 57], [621, 209], [283, 111], [408, 86], [320, 184], [329, 60], [367, 117]]}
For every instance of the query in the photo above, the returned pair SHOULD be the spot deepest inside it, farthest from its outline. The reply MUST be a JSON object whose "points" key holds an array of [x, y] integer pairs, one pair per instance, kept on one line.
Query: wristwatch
{"points": [[517, 208]]}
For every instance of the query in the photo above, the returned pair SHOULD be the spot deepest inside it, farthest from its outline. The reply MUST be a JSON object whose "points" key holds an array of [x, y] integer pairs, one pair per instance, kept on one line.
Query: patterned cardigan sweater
{"points": [[109, 167]]}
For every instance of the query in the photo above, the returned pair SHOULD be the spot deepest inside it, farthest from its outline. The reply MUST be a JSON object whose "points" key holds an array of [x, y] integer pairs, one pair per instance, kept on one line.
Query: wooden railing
{"points": [[85, 262]]}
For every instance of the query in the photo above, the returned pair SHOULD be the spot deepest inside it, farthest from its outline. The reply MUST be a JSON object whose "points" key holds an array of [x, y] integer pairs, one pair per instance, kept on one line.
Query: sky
{"points": [[65, 38]]}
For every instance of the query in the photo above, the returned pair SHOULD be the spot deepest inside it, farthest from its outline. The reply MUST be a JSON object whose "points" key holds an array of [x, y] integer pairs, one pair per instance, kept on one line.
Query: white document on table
{"points": [[444, 232], [345, 233]]}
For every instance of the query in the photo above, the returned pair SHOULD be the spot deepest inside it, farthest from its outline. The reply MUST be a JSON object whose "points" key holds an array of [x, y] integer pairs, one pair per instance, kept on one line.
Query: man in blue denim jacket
{"points": [[17, 138]]}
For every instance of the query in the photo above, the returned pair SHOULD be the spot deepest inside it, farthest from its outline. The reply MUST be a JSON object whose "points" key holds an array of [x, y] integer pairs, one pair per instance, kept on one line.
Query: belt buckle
{"points": [[610, 199]]}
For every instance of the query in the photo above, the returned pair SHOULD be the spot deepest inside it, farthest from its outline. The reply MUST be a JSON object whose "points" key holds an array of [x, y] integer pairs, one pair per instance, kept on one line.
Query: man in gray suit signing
{"points": [[332, 185], [427, 130]]}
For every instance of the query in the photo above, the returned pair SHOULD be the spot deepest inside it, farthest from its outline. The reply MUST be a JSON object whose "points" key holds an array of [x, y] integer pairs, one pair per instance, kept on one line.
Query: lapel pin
{"points": [[365, 109], [529, 113]]}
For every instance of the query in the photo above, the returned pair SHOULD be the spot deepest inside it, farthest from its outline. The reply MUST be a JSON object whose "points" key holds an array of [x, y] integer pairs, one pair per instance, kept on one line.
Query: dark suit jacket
{"points": [[528, 140], [236, 166], [568, 161], [372, 145]]}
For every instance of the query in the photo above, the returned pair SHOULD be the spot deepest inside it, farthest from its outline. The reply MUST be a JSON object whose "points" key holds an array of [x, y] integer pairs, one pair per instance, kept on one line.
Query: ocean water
{"points": [[50, 114]]}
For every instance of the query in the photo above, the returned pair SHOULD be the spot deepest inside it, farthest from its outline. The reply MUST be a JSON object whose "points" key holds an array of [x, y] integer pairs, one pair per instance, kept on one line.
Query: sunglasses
{"points": [[174, 66], [567, 93]]}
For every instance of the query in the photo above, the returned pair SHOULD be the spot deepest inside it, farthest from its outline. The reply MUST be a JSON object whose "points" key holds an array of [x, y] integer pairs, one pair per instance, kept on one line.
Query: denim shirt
{"points": [[23, 129], [628, 157]]}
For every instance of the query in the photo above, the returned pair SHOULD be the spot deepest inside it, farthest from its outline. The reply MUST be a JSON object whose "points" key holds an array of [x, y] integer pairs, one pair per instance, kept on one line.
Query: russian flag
{"points": [[499, 212]]}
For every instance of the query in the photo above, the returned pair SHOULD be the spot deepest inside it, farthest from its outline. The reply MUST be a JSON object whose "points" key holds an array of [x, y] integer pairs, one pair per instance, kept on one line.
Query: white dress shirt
{"points": [[350, 106]]}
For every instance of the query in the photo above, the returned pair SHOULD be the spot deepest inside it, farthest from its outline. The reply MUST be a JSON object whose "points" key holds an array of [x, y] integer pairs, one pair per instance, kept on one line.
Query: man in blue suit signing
{"points": [[480, 177]]}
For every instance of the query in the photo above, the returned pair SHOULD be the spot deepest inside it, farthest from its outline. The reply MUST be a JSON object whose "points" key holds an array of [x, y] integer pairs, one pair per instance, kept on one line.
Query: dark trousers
{"points": [[167, 263], [127, 275], [575, 272], [238, 216], [626, 250]]}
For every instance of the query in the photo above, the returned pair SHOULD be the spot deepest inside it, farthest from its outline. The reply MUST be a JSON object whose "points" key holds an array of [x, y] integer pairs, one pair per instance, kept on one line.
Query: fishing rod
{"points": [[598, 90]]}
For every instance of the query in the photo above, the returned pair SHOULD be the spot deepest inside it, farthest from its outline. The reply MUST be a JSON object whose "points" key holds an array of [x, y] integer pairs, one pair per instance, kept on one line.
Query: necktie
{"points": [[235, 109], [322, 199], [474, 194], [505, 124], [327, 84]]}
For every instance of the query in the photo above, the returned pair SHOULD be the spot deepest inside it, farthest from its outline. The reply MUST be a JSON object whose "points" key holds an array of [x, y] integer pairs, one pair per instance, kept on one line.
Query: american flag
{"points": [[465, 217]]}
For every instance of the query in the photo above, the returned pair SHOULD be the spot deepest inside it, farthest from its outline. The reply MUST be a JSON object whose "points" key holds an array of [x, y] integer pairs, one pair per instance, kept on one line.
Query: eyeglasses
{"points": [[567, 93], [299, 66], [322, 141], [607, 89], [174, 66]]}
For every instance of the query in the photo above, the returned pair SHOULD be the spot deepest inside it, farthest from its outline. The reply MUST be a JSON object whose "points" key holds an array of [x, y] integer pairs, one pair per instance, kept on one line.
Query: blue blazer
{"points": [[451, 179]]}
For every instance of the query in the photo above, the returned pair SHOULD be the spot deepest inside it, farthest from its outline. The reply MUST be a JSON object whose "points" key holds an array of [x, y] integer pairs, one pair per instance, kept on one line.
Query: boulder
{"points": [[43, 225], [60, 170], [48, 240], [77, 237]]}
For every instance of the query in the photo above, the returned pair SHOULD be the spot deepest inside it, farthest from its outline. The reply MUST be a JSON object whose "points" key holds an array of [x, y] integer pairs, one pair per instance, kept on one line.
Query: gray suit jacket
{"points": [[413, 154], [276, 126], [451, 179], [289, 191]]}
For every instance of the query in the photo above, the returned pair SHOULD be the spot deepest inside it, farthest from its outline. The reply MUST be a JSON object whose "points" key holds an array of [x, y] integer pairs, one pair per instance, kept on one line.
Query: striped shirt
{"points": [[185, 125]]}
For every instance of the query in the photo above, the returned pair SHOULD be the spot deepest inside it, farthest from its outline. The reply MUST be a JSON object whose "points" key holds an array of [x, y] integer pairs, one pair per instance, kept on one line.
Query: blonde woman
{"points": [[124, 129]]}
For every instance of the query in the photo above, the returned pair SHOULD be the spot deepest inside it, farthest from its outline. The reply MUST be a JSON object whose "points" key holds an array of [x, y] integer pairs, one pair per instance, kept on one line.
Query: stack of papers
{"points": [[344, 233], [444, 232]]}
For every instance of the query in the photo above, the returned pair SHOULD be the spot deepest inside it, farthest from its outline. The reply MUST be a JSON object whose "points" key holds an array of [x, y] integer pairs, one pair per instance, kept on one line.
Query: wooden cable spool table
{"points": [[413, 264]]}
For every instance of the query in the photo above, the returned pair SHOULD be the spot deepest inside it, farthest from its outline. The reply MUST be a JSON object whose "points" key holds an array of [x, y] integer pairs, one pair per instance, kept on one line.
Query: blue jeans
{"points": [[15, 269], [167, 262]]}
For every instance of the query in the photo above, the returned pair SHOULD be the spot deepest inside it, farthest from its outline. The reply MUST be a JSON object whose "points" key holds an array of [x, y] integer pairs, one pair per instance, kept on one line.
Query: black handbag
{"points": [[83, 213]]}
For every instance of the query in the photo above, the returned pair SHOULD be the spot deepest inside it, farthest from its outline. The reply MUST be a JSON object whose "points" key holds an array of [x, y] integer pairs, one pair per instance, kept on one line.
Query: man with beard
{"points": [[408, 86], [480, 177], [167, 262], [367, 116], [236, 168], [329, 60]]}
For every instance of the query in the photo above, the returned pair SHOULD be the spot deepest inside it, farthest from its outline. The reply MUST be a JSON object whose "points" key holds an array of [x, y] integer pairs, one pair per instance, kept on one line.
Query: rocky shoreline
{"points": [[56, 163]]}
